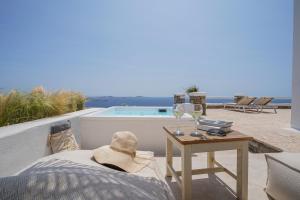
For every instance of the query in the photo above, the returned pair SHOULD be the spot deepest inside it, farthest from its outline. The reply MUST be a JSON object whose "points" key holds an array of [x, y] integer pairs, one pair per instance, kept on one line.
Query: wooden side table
{"points": [[189, 145]]}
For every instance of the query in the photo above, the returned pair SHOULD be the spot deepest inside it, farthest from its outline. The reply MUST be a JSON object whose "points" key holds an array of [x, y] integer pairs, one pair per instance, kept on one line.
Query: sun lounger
{"points": [[263, 103], [244, 103]]}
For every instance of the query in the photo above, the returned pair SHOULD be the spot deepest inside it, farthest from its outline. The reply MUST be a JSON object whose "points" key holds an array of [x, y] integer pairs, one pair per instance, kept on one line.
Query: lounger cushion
{"points": [[245, 100], [263, 101], [283, 181], [61, 179]]}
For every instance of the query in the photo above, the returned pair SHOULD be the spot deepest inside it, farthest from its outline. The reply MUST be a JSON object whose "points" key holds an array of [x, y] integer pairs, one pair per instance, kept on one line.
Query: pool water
{"points": [[137, 111]]}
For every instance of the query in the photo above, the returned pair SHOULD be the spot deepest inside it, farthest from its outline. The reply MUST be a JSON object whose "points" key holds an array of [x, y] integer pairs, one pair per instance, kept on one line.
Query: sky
{"points": [[147, 48]]}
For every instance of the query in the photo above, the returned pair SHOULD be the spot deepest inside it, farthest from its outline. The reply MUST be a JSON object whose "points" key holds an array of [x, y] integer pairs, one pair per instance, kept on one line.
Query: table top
{"points": [[187, 139]]}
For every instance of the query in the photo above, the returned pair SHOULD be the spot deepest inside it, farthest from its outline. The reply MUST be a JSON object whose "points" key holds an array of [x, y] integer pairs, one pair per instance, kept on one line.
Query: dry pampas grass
{"points": [[17, 107]]}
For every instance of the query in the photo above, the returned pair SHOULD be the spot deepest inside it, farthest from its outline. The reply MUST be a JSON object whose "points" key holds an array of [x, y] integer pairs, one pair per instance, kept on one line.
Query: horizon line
{"points": [[140, 96]]}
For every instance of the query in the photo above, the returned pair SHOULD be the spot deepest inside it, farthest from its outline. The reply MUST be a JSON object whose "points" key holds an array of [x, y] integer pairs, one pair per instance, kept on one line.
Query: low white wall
{"points": [[98, 131], [24, 143], [21, 144], [295, 122]]}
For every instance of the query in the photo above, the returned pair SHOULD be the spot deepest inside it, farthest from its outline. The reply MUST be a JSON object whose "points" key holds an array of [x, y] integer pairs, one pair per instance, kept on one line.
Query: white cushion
{"points": [[283, 176]]}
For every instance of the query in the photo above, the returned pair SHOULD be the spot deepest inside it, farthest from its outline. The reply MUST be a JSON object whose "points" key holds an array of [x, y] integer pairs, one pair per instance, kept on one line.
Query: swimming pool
{"points": [[145, 122], [135, 111]]}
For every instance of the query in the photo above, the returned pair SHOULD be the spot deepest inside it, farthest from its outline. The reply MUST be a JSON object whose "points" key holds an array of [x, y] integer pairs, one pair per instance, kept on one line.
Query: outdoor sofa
{"points": [[74, 175]]}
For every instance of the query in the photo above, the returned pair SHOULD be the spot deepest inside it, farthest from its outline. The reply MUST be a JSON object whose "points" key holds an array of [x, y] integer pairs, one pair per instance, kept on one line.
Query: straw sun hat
{"points": [[122, 153]]}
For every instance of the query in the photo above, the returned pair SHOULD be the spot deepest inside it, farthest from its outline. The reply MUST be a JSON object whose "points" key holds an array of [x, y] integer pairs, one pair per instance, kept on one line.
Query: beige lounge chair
{"points": [[263, 103], [244, 103]]}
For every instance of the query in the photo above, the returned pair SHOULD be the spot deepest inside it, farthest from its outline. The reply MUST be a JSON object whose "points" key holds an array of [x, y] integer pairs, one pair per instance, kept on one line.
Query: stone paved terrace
{"points": [[268, 127]]}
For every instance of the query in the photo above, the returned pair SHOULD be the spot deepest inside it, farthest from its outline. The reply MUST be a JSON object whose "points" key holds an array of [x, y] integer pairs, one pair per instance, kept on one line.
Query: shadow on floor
{"points": [[209, 188]]}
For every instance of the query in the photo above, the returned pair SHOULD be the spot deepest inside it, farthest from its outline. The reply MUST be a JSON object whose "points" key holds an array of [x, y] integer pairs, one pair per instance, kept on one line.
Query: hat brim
{"points": [[106, 155]]}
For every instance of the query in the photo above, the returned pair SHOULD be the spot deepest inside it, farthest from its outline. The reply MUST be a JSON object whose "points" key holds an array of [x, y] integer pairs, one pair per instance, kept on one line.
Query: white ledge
{"points": [[17, 128]]}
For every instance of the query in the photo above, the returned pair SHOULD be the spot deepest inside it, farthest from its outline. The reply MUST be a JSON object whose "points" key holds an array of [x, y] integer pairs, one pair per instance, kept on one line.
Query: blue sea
{"points": [[108, 101]]}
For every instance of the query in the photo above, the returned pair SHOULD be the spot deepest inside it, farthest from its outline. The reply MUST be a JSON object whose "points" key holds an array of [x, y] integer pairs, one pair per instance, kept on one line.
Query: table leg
{"points": [[204, 109], [242, 172], [210, 159], [169, 156], [186, 163]]}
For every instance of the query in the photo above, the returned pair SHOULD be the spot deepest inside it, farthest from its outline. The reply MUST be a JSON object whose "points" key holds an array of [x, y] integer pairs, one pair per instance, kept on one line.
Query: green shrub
{"points": [[17, 107]]}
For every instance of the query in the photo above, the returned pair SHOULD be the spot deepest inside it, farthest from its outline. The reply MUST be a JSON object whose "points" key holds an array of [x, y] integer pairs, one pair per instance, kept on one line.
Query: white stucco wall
{"points": [[21, 144], [295, 122], [98, 131]]}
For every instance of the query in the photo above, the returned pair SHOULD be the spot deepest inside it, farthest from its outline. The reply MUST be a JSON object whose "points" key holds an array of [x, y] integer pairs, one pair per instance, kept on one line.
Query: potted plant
{"points": [[191, 89], [197, 98]]}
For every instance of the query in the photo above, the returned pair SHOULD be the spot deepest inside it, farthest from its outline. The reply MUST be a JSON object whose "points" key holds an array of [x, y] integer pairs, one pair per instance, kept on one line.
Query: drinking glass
{"points": [[178, 112], [196, 114]]}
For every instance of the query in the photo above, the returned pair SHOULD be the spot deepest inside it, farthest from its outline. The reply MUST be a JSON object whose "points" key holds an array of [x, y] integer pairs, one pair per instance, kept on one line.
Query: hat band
{"points": [[123, 151]]}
